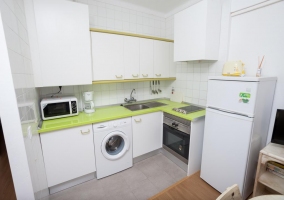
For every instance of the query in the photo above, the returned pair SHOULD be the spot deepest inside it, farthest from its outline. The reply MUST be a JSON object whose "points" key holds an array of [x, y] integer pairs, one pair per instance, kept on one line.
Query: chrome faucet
{"points": [[131, 99]]}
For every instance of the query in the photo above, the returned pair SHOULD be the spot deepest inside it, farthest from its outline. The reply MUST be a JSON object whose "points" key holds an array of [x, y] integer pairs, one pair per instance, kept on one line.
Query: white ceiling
{"points": [[164, 7]]}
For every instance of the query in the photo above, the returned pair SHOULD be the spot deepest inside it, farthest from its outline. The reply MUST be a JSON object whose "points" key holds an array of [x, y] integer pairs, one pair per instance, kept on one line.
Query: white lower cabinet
{"points": [[68, 154], [147, 133]]}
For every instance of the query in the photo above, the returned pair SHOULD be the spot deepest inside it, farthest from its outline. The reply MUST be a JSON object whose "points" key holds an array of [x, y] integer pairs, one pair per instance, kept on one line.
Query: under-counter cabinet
{"points": [[107, 54], [68, 154], [60, 42], [147, 133], [197, 31]]}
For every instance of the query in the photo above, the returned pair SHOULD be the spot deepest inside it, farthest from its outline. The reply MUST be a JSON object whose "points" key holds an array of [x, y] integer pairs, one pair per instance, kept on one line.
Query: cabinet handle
{"points": [[137, 120], [145, 75], [135, 75], [85, 133], [158, 74], [118, 76]]}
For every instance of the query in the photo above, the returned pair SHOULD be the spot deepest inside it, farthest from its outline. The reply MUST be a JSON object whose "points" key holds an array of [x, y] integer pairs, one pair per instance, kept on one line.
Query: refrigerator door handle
{"points": [[228, 111]]}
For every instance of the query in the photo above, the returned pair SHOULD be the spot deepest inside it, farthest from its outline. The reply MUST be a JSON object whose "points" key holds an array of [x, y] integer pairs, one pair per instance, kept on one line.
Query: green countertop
{"points": [[112, 113]]}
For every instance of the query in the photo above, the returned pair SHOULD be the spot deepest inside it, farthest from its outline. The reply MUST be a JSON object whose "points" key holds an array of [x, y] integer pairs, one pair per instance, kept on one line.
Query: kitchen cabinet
{"points": [[68, 154], [107, 54], [60, 42], [147, 133], [242, 4], [118, 57], [172, 68], [131, 57], [197, 31], [161, 61], [146, 58]]}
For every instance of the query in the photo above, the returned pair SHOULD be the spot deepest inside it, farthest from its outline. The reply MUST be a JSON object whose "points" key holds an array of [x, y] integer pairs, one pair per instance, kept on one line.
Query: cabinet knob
{"points": [[158, 74], [85, 133], [136, 120], [145, 75], [135, 75], [118, 76]]}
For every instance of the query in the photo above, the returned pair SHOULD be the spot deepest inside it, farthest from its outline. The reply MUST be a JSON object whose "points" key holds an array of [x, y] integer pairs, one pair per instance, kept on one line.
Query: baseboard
{"points": [[42, 193], [71, 183]]}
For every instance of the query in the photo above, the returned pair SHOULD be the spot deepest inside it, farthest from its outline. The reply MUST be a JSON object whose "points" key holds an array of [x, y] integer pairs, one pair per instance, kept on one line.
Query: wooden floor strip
{"points": [[191, 187]]}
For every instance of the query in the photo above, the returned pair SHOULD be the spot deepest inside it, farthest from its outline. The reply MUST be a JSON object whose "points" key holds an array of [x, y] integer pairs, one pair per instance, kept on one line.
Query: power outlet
{"points": [[30, 135]]}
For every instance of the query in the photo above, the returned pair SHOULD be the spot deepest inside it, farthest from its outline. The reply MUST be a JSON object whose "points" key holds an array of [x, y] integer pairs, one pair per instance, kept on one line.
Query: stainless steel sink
{"points": [[154, 104], [142, 106], [135, 107]]}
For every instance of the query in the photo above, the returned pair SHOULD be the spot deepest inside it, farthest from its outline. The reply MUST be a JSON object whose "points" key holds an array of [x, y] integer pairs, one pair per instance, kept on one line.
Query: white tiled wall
{"points": [[113, 17], [113, 93], [192, 76], [16, 34]]}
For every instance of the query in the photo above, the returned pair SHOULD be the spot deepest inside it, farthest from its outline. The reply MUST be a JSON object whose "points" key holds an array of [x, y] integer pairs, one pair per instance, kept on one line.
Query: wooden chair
{"points": [[232, 193]]}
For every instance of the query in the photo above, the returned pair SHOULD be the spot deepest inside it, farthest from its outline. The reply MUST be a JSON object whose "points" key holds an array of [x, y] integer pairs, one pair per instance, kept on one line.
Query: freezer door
{"points": [[233, 96], [225, 149]]}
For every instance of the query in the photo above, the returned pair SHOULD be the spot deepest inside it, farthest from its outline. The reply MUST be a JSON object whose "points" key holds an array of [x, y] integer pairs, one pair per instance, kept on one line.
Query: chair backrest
{"points": [[232, 193]]}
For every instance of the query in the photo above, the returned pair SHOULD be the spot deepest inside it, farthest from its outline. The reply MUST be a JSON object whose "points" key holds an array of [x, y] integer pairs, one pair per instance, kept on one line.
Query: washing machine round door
{"points": [[115, 145]]}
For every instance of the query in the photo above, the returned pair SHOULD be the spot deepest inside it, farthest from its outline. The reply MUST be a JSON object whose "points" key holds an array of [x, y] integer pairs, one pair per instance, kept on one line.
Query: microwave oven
{"points": [[58, 107]]}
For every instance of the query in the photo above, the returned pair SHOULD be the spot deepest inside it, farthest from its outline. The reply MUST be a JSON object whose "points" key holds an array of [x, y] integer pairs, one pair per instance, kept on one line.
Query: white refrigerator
{"points": [[236, 126]]}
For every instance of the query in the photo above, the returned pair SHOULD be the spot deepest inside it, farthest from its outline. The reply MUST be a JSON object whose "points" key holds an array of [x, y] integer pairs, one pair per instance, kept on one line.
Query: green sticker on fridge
{"points": [[244, 97]]}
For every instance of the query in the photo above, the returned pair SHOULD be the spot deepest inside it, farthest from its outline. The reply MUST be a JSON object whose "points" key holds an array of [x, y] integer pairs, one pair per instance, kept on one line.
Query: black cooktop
{"points": [[188, 109]]}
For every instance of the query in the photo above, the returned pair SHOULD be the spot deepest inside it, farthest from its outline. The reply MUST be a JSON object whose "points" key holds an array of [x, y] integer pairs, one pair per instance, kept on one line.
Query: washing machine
{"points": [[113, 146]]}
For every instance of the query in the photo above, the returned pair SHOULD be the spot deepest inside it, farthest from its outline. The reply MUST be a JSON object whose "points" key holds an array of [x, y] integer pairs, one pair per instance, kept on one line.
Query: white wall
{"points": [[257, 33], [26, 96], [118, 17], [192, 76], [114, 93]]}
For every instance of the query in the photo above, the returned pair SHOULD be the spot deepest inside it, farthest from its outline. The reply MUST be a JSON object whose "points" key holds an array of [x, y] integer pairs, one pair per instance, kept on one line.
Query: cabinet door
{"points": [[61, 32], [107, 54], [147, 133], [172, 68], [146, 58], [161, 62], [68, 154], [131, 57]]}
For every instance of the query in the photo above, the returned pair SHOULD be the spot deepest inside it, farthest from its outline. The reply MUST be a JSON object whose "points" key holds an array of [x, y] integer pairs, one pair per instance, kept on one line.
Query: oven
{"points": [[176, 136]]}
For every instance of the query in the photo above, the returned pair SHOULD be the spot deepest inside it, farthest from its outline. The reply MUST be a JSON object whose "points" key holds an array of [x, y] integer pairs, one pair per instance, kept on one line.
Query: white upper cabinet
{"points": [[242, 4], [197, 31], [161, 59], [118, 57], [146, 58], [107, 53], [172, 68], [131, 57], [60, 42]]}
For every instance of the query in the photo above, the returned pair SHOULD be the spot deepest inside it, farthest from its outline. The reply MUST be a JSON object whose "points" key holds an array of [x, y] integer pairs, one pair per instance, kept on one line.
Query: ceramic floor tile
{"points": [[120, 195], [148, 168], [133, 175], [145, 192], [113, 182], [145, 179], [139, 184], [162, 180]]}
